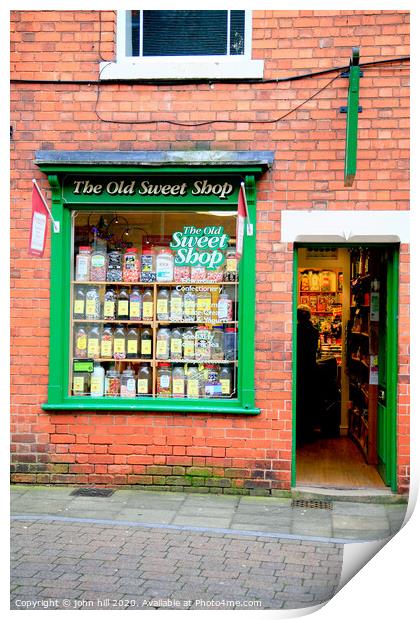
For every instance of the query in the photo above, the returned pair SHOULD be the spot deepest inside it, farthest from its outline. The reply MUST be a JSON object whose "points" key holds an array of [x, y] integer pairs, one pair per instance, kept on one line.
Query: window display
{"points": [[154, 303]]}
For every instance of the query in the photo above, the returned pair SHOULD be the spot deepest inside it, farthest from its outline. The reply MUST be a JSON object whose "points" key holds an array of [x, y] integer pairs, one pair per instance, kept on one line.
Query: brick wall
{"points": [[250, 454]]}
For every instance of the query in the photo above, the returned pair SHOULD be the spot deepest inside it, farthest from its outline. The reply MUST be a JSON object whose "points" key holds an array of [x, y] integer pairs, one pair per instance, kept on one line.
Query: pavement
{"points": [[168, 550]]}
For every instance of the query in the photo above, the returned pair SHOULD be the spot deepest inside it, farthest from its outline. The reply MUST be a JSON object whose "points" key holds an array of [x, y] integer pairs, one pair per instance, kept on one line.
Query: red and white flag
{"points": [[240, 221], [38, 224]]}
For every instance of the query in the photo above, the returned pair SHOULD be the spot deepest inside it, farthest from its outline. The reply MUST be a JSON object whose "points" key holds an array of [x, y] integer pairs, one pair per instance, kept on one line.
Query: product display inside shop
{"points": [[154, 305]]}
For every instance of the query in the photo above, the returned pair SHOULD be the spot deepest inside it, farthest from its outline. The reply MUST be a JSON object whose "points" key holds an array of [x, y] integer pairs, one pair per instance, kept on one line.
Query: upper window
{"points": [[185, 33], [183, 44]]}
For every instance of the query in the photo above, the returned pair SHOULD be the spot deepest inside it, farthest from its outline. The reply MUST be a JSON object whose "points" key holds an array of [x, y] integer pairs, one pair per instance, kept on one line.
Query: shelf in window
{"points": [[360, 334], [204, 322], [112, 321], [149, 284], [194, 361], [356, 359]]}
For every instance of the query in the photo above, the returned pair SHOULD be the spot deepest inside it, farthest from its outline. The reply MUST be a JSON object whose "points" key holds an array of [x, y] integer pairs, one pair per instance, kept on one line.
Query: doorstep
{"points": [[367, 496]]}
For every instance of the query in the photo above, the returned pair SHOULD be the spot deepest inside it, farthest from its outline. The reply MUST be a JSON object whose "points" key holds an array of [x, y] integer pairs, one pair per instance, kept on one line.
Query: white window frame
{"points": [[181, 67]]}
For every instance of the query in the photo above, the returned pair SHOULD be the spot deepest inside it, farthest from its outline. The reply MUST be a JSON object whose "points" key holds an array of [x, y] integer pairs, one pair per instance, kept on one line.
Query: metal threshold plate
{"points": [[312, 503], [92, 492]]}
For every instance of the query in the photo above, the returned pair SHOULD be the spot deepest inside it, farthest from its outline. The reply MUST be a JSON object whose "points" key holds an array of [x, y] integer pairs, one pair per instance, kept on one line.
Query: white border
{"points": [[304, 225]]}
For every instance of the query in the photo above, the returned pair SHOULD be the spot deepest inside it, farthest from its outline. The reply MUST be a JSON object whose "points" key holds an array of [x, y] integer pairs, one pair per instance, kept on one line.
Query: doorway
{"points": [[346, 296]]}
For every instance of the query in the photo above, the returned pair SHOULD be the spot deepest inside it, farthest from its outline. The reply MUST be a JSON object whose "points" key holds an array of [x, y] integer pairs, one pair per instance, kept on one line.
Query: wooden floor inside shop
{"points": [[335, 463]]}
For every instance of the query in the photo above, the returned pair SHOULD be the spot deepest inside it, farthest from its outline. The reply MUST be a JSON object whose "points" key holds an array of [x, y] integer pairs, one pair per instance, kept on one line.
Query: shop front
{"points": [[152, 300]]}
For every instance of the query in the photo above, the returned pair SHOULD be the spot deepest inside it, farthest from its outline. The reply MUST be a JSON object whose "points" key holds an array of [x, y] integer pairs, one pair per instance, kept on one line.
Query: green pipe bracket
{"points": [[354, 74]]}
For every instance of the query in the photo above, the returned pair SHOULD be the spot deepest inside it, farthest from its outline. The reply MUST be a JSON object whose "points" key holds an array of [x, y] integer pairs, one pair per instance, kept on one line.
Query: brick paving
{"points": [[73, 565]]}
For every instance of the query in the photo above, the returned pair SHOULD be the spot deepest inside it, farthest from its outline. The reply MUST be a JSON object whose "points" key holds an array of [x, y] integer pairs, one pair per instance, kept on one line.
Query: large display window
{"points": [[154, 305], [151, 308]]}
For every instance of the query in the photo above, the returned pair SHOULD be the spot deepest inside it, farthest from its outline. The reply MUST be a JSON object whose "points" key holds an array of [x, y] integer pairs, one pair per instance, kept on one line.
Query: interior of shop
{"points": [[343, 291]]}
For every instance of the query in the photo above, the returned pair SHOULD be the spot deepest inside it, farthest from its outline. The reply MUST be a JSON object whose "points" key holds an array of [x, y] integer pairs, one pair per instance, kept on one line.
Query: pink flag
{"points": [[240, 221], [38, 224]]}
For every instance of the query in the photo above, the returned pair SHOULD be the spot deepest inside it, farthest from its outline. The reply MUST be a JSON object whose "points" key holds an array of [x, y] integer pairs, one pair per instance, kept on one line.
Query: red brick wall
{"points": [[253, 453]]}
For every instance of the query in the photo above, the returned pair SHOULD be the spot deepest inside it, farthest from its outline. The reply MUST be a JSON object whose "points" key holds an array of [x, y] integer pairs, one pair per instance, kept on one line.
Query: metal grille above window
{"points": [[185, 33]]}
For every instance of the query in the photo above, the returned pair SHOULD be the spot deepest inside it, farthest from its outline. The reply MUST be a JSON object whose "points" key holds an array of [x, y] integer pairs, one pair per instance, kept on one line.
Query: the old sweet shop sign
{"points": [[146, 190]]}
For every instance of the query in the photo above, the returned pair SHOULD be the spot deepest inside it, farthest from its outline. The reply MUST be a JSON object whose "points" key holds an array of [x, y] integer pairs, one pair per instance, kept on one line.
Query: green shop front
{"points": [[152, 300]]}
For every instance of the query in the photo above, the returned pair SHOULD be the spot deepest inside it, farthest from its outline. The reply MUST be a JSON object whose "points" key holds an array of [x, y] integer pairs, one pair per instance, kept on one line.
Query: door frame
{"points": [[392, 305]]}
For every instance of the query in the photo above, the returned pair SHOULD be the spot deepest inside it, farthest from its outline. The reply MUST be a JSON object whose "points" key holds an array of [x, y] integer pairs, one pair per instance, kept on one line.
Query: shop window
{"points": [[154, 306], [151, 309], [183, 44]]}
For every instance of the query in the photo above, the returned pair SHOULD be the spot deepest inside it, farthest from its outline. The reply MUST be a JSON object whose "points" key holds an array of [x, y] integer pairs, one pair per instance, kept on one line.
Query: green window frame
{"points": [[61, 256]]}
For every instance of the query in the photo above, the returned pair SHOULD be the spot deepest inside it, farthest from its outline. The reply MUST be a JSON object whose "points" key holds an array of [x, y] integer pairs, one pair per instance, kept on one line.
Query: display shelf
{"points": [[115, 321], [362, 342], [151, 284]]}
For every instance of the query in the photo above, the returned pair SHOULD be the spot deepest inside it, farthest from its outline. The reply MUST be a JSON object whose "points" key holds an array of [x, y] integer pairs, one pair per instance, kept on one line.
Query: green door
{"points": [[387, 388]]}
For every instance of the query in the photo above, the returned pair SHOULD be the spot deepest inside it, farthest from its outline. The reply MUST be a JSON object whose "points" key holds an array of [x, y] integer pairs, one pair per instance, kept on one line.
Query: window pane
{"points": [[184, 33], [154, 305], [134, 18], [237, 32]]}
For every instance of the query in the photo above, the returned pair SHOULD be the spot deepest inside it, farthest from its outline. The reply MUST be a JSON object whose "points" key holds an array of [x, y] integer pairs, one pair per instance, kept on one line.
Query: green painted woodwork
{"points": [[61, 256], [294, 360], [350, 163]]}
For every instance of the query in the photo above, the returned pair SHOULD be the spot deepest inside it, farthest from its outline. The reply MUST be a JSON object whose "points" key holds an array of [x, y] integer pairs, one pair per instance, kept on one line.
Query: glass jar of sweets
{"points": [[128, 383], [163, 338], [114, 271], [164, 380], [144, 380], [147, 305], [93, 303], [98, 265], [162, 305], [83, 258], [131, 266], [120, 343], [132, 343], [112, 383], [110, 304], [135, 304]]}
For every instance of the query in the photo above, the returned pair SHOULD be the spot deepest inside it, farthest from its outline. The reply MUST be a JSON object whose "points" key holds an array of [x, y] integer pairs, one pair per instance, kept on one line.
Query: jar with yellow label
{"points": [[80, 384], [97, 381], [178, 382], [144, 380], [147, 305], [133, 343], [162, 305], [203, 310], [110, 303], [190, 303], [225, 378], [79, 303], [93, 343], [93, 305], [176, 305], [80, 343], [107, 339], [146, 338], [188, 343], [176, 344], [163, 338], [135, 304], [193, 382], [120, 343], [123, 305]]}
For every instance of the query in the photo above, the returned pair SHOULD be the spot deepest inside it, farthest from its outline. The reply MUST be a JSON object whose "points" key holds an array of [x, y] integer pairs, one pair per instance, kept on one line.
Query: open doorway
{"points": [[345, 375]]}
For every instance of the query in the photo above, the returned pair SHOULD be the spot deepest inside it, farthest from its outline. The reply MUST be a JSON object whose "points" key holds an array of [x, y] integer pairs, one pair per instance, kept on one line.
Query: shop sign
{"points": [[149, 189], [200, 246]]}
